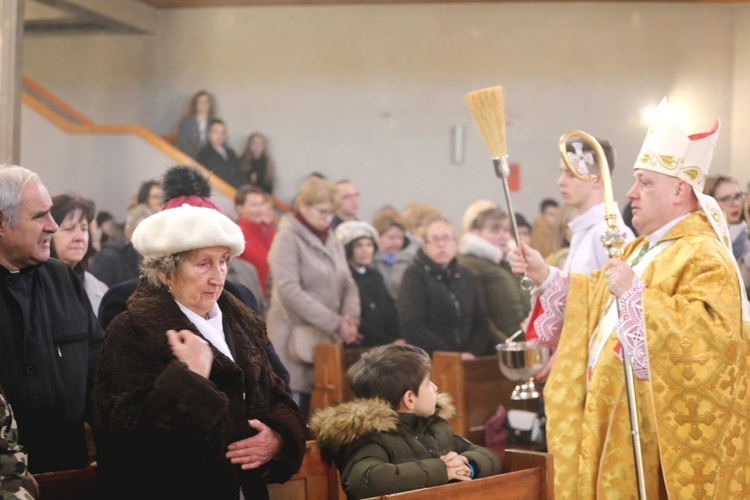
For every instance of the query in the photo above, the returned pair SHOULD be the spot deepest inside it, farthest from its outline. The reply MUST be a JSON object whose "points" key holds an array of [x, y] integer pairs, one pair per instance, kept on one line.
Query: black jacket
{"points": [[440, 309], [116, 262], [228, 170], [162, 431], [378, 322], [49, 345]]}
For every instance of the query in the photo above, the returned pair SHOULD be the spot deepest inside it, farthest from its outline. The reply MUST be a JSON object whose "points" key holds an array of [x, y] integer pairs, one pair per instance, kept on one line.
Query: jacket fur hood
{"points": [[472, 244], [339, 425]]}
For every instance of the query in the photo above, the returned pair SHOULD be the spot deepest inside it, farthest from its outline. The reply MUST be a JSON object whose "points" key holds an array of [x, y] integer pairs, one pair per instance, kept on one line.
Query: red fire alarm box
{"points": [[514, 179]]}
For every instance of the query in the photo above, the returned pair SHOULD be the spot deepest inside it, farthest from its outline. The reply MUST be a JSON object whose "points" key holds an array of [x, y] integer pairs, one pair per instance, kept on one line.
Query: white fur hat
{"points": [[186, 228], [354, 229]]}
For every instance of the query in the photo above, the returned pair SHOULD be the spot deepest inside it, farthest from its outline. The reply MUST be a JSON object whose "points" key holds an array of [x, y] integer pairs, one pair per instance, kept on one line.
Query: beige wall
{"points": [[740, 138], [372, 92]]}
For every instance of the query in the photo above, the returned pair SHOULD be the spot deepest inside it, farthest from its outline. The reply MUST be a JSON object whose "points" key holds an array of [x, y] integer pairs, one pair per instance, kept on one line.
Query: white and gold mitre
{"points": [[669, 151]]}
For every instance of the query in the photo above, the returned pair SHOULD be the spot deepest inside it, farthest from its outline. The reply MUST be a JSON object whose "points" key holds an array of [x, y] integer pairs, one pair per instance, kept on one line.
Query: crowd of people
{"points": [[202, 135], [191, 333]]}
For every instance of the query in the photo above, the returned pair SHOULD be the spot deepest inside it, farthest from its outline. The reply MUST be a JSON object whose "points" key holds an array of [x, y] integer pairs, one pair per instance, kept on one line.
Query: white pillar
{"points": [[11, 45]]}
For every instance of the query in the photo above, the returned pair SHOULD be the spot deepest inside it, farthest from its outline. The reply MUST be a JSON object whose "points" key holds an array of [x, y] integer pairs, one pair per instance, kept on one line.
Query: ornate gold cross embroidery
{"points": [[694, 419], [686, 359], [697, 479]]}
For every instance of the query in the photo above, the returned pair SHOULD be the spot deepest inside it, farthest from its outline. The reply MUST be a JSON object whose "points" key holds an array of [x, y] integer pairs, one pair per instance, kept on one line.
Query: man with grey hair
{"points": [[49, 336], [118, 261]]}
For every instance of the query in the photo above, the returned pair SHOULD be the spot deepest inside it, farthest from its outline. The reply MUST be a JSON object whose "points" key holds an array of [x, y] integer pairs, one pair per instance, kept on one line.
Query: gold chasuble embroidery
{"points": [[693, 411]]}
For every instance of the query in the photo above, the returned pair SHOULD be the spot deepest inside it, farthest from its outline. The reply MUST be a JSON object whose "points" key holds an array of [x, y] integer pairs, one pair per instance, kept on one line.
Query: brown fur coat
{"points": [[158, 422]]}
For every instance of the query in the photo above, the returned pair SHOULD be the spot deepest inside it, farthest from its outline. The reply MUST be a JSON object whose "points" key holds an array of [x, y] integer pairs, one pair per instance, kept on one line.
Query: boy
{"points": [[587, 253], [395, 437]]}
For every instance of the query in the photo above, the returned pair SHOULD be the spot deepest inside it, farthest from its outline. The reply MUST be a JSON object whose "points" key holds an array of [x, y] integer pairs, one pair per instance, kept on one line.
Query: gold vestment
{"points": [[693, 411]]}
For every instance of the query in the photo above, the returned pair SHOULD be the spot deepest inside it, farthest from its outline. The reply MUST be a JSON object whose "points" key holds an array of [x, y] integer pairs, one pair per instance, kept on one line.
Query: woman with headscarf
{"points": [[185, 397]]}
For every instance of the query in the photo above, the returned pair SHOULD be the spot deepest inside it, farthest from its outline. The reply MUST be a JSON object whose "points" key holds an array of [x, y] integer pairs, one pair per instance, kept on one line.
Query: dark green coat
{"points": [[379, 451], [501, 294]]}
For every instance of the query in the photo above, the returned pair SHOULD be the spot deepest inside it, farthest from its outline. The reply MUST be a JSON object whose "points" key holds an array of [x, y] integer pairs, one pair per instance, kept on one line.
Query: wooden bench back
{"points": [[477, 388], [332, 361], [528, 475], [64, 485], [315, 480]]}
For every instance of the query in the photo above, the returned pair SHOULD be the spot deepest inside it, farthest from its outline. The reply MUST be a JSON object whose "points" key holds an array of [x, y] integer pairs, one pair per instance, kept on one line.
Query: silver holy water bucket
{"points": [[521, 361]]}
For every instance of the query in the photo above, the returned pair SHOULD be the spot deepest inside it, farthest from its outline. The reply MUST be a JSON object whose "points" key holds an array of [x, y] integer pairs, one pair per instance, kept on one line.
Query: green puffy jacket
{"points": [[379, 451]]}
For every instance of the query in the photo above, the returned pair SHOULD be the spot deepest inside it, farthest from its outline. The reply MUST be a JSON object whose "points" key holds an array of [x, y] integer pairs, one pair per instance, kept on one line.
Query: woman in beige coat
{"points": [[313, 297]]}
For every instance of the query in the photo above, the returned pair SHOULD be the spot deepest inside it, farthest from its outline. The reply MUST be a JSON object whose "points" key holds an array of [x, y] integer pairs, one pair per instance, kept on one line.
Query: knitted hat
{"points": [[183, 184], [352, 230], [187, 228]]}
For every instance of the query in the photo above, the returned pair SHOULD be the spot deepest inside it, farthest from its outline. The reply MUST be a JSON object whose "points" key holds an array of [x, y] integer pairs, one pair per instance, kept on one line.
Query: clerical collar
{"points": [[657, 235]]}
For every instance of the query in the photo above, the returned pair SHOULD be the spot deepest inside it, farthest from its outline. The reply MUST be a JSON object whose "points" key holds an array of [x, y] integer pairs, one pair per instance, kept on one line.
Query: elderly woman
{"points": [[481, 251], [70, 243], [186, 404], [313, 295], [439, 305]]}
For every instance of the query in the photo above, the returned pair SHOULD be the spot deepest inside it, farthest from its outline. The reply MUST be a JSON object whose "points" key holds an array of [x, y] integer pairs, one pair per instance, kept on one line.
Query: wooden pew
{"points": [[64, 485], [477, 388], [316, 480], [329, 375], [527, 475]]}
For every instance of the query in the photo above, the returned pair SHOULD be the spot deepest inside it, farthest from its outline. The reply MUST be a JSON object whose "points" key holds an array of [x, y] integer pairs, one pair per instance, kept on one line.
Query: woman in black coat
{"points": [[439, 305], [378, 322]]}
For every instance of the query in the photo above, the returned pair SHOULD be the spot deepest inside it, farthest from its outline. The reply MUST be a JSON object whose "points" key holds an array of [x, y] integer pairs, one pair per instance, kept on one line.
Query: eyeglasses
{"points": [[436, 240], [739, 197], [325, 214]]}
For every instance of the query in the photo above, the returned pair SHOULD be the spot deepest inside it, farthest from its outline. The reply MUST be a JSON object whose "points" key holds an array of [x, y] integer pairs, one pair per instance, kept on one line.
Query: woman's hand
{"points": [[254, 451], [191, 350], [348, 331]]}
